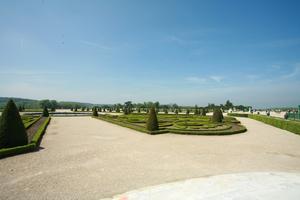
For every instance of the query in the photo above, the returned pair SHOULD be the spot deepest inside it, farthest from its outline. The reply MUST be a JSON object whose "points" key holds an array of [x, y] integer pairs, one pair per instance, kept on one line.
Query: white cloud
{"points": [[295, 72], [216, 78], [196, 79]]}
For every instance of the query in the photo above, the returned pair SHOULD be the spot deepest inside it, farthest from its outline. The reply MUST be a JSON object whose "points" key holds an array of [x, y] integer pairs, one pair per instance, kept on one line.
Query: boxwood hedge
{"points": [[32, 146], [238, 114], [292, 126]]}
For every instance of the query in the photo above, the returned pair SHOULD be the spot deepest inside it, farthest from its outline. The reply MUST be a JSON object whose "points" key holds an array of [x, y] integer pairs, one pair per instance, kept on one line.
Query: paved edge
{"points": [[266, 184]]}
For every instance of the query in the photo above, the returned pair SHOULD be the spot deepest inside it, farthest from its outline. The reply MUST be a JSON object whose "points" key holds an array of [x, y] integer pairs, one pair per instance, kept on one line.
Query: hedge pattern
{"points": [[32, 146], [237, 128]]}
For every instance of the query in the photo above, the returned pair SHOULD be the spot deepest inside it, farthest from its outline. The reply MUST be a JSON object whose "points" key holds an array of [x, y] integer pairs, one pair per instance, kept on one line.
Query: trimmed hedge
{"points": [[28, 125], [291, 126], [32, 146], [12, 129], [40, 132], [238, 114], [152, 123], [242, 129]]}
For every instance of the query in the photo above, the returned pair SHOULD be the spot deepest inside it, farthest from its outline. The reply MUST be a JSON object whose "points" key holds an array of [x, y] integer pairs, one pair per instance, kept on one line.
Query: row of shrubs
{"points": [[238, 114], [288, 125], [32, 146]]}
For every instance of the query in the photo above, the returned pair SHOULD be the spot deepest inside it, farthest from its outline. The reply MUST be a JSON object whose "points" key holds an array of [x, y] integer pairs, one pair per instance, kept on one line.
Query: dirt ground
{"points": [[85, 158]]}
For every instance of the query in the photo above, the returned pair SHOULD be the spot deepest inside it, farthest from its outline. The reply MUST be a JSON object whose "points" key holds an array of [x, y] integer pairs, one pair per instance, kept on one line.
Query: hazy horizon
{"points": [[184, 52]]}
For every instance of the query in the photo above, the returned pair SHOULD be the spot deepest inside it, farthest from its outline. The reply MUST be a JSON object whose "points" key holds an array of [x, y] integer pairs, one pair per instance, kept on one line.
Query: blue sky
{"points": [[185, 52]]}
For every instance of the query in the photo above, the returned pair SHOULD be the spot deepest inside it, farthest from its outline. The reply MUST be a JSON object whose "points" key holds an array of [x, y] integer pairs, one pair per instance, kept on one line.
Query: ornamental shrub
{"points": [[12, 130], [286, 115], [152, 123], [95, 112], [203, 113], [45, 112], [166, 111], [217, 115]]}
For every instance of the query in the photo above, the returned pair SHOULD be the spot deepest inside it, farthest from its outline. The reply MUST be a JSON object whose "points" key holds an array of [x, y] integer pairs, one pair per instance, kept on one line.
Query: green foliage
{"points": [[5, 152], [238, 114], [165, 110], [203, 112], [95, 112], [196, 111], [29, 120], [127, 107], [176, 112], [217, 116], [181, 124], [152, 123], [39, 134], [21, 108], [292, 126], [187, 111], [12, 130], [45, 112], [286, 115]]}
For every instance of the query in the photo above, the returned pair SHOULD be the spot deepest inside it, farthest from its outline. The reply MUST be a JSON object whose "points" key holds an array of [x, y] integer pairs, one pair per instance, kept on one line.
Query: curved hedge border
{"points": [[235, 129], [32, 146]]}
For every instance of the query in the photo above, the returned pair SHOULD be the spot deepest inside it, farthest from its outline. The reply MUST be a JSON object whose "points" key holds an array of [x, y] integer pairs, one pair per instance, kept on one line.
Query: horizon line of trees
{"points": [[129, 107]]}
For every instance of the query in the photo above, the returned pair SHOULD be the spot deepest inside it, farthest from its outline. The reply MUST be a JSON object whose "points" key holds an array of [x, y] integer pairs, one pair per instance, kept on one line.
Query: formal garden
{"points": [[20, 134], [189, 124]]}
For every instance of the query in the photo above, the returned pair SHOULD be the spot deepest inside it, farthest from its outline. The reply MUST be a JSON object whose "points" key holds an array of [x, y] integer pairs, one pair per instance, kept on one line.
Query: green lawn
{"points": [[181, 124]]}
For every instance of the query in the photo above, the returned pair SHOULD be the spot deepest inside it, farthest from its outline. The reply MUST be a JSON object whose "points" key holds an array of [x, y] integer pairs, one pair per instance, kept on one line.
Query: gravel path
{"points": [[85, 158]]}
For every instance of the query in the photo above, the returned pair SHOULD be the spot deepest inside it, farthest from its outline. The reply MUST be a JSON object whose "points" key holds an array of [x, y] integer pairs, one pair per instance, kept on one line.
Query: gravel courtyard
{"points": [[86, 158]]}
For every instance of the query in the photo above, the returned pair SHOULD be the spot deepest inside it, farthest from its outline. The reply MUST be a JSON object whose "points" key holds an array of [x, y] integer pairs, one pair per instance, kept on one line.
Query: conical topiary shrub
{"points": [[45, 112], [217, 115], [203, 113], [152, 123], [12, 130], [95, 112]]}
